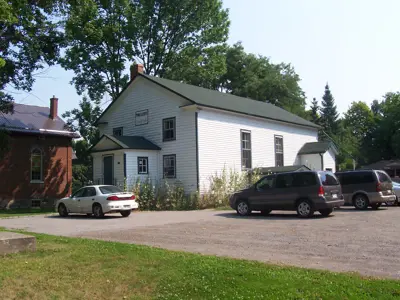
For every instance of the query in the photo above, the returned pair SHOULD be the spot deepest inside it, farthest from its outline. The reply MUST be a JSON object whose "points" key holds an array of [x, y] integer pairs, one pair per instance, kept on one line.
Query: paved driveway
{"points": [[363, 241]]}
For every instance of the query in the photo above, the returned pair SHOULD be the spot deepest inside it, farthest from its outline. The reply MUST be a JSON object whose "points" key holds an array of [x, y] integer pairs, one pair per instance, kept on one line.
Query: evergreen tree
{"points": [[329, 114], [315, 118]]}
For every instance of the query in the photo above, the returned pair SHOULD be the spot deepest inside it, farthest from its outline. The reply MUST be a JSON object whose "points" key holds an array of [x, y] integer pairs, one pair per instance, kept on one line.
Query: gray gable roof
{"points": [[316, 147], [229, 102], [127, 142], [33, 119], [225, 101]]}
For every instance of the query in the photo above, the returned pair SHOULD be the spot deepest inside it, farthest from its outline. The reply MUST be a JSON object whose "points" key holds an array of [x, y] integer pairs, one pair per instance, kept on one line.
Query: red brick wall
{"points": [[15, 170]]}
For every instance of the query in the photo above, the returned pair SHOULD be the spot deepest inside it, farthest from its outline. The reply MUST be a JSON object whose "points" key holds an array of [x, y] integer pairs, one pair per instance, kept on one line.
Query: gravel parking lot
{"points": [[367, 242]]}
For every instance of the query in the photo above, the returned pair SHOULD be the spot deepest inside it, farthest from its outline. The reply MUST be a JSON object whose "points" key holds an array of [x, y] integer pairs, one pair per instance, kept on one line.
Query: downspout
{"points": [[322, 161]]}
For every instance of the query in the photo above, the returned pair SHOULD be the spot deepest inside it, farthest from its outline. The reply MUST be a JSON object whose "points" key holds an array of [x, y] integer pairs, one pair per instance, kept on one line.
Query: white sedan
{"points": [[98, 200]]}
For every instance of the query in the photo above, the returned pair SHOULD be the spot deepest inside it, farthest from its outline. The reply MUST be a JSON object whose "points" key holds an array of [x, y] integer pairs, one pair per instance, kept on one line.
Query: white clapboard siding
{"points": [[329, 160], [118, 162], [219, 142], [313, 161], [160, 103], [132, 174]]}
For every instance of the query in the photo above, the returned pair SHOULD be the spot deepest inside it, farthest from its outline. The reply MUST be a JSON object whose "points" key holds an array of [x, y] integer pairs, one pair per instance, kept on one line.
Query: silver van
{"points": [[363, 188]]}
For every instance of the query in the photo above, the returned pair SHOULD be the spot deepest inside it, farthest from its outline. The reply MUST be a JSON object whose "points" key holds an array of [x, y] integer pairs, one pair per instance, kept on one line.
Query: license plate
{"points": [[127, 206], [334, 196]]}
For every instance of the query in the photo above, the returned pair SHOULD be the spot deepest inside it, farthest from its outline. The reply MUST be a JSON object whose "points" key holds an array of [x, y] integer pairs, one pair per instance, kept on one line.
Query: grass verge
{"points": [[18, 212], [72, 268]]}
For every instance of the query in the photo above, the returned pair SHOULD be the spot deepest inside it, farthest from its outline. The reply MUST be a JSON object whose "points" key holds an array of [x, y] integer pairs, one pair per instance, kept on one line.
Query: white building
{"points": [[167, 130]]}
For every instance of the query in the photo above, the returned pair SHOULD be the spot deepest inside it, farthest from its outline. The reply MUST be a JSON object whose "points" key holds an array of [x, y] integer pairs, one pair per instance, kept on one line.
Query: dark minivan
{"points": [[304, 192], [363, 188]]}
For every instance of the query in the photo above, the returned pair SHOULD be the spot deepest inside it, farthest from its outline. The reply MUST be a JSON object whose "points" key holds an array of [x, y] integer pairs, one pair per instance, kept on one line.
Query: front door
{"points": [[108, 169]]}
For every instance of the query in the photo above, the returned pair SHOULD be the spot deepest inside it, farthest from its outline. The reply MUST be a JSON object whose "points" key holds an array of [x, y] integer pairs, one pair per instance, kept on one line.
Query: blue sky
{"points": [[353, 45]]}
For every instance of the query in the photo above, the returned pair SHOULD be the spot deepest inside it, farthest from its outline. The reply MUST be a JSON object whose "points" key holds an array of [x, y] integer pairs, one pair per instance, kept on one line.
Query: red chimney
{"points": [[53, 107], [135, 70]]}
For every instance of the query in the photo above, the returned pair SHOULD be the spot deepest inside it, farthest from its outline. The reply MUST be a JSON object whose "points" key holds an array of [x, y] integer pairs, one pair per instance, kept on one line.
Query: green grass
{"points": [[18, 212], [72, 268]]}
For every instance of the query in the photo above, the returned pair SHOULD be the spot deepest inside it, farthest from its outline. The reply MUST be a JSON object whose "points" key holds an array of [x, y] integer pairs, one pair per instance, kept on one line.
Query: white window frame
{"points": [[118, 129], [146, 165], [279, 151], [164, 165], [173, 119], [243, 149]]}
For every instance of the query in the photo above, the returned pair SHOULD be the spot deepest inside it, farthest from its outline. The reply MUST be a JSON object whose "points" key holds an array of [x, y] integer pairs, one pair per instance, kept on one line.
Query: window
{"points": [[109, 189], [304, 179], [79, 193], [284, 181], [89, 192], [143, 165], [383, 177], [245, 137], [169, 130], [36, 165], [278, 151], [328, 179], [266, 183], [169, 166], [119, 131], [355, 178]]}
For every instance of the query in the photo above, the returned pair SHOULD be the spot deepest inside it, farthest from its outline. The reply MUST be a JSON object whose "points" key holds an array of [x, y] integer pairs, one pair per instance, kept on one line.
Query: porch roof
{"points": [[109, 142], [317, 147]]}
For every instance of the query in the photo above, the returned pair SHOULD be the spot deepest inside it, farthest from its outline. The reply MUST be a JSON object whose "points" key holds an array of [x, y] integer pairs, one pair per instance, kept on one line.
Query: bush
{"points": [[165, 196]]}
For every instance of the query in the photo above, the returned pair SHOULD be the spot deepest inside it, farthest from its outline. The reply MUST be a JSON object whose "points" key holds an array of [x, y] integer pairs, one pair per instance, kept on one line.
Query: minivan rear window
{"points": [[328, 179], [383, 177]]}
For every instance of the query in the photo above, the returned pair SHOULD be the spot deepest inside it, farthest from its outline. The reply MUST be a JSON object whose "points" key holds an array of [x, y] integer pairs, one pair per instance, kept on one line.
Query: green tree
{"points": [[81, 120], [359, 119], [314, 111], [329, 114], [256, 77], [103, 36], [29, 40]]}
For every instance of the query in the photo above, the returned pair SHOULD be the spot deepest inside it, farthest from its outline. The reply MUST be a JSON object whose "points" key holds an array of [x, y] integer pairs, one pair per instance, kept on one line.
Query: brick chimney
{"points": [[135, 70], [53, 107]]}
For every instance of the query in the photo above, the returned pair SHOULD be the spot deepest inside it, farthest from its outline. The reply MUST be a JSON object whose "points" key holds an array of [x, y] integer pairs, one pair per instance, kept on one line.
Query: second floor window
{"points": [[118, 131], [245, 137], [169, 129], [279, 151]]}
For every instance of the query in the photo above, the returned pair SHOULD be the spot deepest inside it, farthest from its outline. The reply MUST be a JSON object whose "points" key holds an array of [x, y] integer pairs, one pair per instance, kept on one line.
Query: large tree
{"points": [[329, 114], [29, 41], [168, 38], [256, 77]]}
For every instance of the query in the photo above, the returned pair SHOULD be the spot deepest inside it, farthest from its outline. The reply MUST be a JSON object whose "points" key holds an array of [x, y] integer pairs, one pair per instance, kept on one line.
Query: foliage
{"points": [[257, 78], [329, 114], [102, 36], [29, 40], [81, 175], [314, 112], [170, 38]]}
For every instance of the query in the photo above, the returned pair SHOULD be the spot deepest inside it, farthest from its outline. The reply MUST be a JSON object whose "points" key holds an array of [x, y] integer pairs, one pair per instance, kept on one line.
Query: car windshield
{"points": [[110, 189]]}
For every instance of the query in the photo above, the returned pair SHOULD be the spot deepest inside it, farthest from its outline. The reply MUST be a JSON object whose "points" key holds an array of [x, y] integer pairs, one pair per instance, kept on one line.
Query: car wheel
{"points": [[125, 213], [361, 202], [266, 212], [62, 210], [98, 211], [243, 208], [326, 212], [305, 209], [376, 205]]}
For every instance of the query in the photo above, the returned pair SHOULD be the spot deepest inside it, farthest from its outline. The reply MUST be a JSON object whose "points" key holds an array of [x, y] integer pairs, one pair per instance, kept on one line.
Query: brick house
{"points": [[37, 167]]}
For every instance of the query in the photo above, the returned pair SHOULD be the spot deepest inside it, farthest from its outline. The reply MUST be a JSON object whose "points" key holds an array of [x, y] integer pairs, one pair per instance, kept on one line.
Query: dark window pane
{"points": [[284, 181], [36, 165], [169, 166], [118, 131], [304, 179], [169, 129]]}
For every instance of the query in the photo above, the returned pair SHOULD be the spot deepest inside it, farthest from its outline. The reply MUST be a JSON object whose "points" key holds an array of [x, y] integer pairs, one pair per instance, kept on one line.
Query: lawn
{"points": [[18, 212], [71, 268]]}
